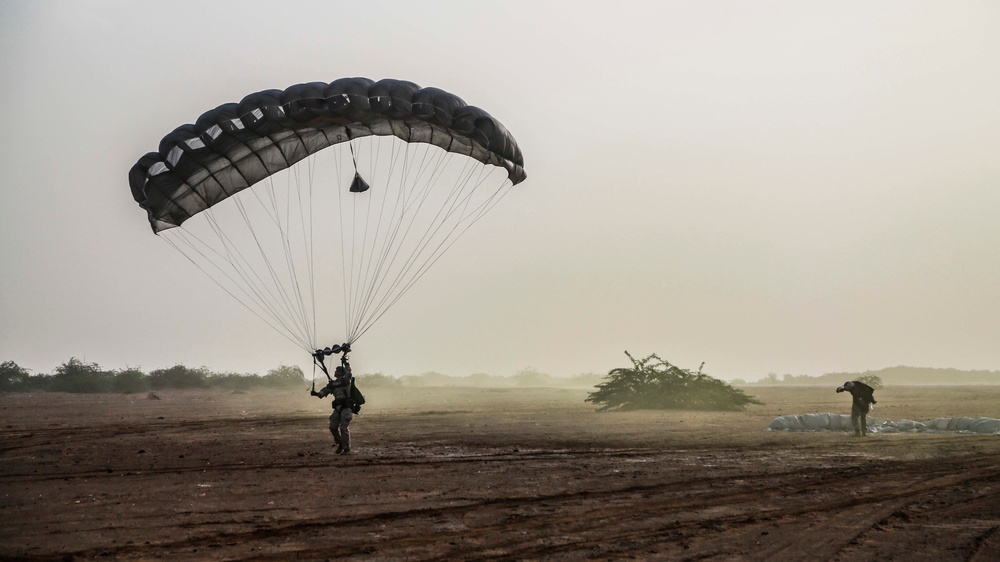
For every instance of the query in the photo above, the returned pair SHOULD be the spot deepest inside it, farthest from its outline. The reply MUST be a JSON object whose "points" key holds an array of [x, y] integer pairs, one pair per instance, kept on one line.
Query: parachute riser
{"points": [[319, 359]]}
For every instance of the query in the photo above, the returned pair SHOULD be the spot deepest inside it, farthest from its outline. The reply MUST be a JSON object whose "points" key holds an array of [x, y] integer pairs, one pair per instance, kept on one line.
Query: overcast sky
{"points": [[786, 187]]}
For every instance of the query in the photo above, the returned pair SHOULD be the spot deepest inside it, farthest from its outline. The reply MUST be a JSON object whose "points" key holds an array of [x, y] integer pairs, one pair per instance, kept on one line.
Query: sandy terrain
{"points": [[490, 474]]}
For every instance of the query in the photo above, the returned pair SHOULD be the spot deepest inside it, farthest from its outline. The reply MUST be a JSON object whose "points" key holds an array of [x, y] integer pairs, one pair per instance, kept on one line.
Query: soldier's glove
{"points": [[313, 393]]}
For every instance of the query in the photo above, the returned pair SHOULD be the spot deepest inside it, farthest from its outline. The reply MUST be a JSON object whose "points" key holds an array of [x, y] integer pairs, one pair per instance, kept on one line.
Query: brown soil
{"points": [[490, 474]]}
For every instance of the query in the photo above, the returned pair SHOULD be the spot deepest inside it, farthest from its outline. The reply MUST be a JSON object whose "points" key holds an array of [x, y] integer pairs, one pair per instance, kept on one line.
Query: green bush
{"points": [[284, 376], [873, 381], [377, 380], [179, 376], [130, 381], [653, 383], [13, 377], [77, 376], [230, 381]]}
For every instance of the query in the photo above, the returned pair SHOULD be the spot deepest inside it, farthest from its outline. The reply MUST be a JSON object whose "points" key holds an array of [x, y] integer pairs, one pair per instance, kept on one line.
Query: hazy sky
{"points": [[787, 187]]}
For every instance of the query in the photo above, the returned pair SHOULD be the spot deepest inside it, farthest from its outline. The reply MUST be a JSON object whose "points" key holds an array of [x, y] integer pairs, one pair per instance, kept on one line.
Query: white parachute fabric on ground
{"points": [[810, 422], [964, 425], [842, 422]]}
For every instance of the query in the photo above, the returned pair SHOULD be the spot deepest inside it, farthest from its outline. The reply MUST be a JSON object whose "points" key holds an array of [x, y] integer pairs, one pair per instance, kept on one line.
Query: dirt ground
{"points": [[478, 474]]}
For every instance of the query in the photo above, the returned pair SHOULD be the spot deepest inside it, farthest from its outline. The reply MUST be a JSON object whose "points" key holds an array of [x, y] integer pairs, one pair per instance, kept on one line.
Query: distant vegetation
{"points": [[77, 376], [653, 383], [889, 376]]}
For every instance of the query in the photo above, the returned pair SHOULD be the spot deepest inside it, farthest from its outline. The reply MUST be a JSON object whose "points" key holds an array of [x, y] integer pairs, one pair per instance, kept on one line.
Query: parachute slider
{"points": [[359, 185]]}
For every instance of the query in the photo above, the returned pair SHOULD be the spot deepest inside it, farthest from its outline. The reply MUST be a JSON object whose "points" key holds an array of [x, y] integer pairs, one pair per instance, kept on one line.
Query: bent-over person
{"points": [[863, 399]]}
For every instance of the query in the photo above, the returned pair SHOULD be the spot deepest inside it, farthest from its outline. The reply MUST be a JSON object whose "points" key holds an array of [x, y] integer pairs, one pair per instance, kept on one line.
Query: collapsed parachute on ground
{"points": [[842, 422], [371, 180]]}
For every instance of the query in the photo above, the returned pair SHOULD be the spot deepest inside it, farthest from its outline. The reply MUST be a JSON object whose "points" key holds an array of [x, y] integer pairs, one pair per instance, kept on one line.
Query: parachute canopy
{"points": [[238, 144], [292, 199]]}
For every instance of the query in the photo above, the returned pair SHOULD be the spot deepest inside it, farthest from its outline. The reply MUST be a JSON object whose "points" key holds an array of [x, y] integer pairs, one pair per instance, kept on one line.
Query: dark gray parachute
{"points": [[238, 144]]}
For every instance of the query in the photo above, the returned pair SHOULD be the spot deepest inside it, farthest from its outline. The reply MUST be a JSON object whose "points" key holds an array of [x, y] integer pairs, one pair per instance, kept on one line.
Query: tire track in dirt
{"points": [[342, 464], [988, 548], [853, 515], [848, 521], [679, 517], [110, 432]]}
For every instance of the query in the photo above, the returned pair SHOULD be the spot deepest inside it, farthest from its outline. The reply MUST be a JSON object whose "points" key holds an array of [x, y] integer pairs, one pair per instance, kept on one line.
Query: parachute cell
{"points": [[236, 145]]}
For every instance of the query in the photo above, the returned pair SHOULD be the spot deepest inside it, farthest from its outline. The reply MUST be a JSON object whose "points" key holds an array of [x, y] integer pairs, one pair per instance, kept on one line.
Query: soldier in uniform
{"points": [[340, 419], [864, 398]]}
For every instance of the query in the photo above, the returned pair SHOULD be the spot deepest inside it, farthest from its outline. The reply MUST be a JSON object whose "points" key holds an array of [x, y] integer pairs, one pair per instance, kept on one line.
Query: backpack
{"points": [[357, 399]]}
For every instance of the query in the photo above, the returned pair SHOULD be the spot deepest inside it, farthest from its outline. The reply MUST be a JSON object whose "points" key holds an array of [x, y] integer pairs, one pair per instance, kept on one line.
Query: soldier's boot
{"points": [[338, 443]]}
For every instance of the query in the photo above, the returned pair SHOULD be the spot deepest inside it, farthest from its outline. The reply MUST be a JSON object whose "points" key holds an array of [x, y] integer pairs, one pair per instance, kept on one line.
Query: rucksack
{"points": [[357, 399]]}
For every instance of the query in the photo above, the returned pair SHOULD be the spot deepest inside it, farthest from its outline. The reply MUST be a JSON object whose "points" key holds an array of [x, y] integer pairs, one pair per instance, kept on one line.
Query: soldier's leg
{"points": [[855, 418], [346, 415], [864, 420], [335, 430]]}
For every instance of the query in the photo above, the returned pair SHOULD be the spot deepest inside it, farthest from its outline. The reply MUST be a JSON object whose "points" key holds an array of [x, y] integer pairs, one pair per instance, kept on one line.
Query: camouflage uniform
{"points": [[863, 399], [340, 419]]}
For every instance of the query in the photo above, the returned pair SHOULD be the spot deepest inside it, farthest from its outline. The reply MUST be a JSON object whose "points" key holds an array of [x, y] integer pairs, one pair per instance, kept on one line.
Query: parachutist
{"points": [[347, 401]]}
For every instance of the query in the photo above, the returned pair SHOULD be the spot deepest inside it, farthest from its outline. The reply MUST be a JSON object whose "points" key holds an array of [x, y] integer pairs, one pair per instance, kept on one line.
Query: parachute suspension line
{"points": [[343, 249], [358, 279], [393, 244], [442, 248], [376, 263], [293, 313], [449, 223], [310, 245], [262, 295], [291, 292], [307, 313], [183, 237], [432, 228], [239, 264]]}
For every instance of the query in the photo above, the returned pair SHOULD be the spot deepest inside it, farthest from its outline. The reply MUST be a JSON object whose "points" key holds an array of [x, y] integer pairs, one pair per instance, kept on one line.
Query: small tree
{"points": [[529, 376], [130, 381], [77, 376], [233, 381], [179, 376], [285, 376], [873, 381], [378, 380], [653, 383], [13, 376]]}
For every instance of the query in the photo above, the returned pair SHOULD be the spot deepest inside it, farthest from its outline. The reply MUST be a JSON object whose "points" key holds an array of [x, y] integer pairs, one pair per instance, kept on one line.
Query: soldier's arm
{"points": [[324, 392]]}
